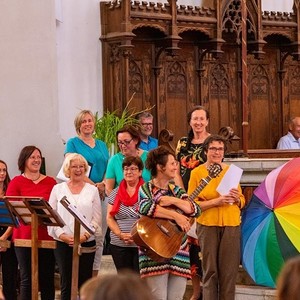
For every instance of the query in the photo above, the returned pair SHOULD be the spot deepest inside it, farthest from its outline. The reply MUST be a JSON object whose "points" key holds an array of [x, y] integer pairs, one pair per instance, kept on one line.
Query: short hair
{"points": [[7, 178], [288, 282], [25, 154], [132, 131], [68, 160], [122, 286], [87, 290], [214, 138], [157, 156], [80, 116], [133, 160], [144, 114]]}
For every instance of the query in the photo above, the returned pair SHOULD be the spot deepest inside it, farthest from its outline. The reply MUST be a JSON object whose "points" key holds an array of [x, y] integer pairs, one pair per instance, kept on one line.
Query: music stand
{"points": [[79, 219], [7, 218], [34, 211]]}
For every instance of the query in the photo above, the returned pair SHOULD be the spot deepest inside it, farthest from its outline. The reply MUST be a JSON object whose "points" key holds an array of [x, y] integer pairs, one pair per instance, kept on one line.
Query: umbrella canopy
{"points": [[271, 224]]}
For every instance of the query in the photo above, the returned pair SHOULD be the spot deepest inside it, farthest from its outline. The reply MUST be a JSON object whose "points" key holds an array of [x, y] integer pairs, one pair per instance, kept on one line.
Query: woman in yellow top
{"points": [[218, 227]]}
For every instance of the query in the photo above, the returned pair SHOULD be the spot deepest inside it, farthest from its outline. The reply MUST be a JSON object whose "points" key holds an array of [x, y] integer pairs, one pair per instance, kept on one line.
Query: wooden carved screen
{"points": [[137, 60]]}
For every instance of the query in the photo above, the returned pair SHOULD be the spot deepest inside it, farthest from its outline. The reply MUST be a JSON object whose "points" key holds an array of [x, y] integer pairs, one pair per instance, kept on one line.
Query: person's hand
{"points": [[235, 196], [68, 239], [183, 222], [126, 237], [232, 198], [224, 199], [166, 201], [2, 249], [101, 189]]}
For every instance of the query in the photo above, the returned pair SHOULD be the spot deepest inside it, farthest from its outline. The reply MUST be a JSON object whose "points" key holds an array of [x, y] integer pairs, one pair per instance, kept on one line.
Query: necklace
{"points": [[32, 179]]}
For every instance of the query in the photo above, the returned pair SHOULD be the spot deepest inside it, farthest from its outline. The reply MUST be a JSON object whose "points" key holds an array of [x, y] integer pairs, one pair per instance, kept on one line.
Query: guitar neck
{"points": [[204, 182]]}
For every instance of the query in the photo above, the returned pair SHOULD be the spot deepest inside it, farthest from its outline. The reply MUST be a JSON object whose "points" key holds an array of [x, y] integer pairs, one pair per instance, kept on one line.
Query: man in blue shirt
{"points": [[146, 126], [292, 139]]}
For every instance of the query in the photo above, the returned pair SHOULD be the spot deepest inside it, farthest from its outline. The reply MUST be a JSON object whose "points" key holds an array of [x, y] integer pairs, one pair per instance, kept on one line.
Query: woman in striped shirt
{"points": [[122, 214]]}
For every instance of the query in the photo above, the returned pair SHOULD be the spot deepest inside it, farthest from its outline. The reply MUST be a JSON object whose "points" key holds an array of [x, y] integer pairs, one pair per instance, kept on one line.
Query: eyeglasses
{"points": [[125, 143], [215, 149], [130, 169], [147, 124], [77, 167]]}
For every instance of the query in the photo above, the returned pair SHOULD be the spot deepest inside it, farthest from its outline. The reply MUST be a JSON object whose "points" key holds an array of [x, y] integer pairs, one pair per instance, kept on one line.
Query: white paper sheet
{"points": [[230, 180]]}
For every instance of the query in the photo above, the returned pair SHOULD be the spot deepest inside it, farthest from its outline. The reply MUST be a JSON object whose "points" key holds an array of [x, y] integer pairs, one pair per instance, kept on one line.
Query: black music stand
{"points": [[79, 219], [34, 211]]}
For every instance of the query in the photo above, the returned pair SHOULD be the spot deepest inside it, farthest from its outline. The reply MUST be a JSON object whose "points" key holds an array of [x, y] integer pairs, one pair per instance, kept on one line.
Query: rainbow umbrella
{"points": [[271, 224]]}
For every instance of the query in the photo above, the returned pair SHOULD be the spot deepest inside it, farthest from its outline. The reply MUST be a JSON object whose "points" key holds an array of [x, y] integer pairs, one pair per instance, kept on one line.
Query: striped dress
{"points": [[179, 264]]}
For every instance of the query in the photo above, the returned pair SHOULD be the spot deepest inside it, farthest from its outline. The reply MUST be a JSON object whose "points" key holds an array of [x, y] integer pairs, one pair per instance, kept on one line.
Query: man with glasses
{"points": [[146, 127]]}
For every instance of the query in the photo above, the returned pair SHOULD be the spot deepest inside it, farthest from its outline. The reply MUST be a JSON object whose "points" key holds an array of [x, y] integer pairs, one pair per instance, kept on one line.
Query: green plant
{"points": [[107, 126]]}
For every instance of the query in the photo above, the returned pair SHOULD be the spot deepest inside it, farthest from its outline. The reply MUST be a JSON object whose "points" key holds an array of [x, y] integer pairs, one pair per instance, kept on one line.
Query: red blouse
{"points": [[21, 186]]}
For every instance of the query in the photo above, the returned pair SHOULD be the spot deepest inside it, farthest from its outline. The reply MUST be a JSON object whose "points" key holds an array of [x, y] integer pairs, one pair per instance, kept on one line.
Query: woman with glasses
{"points": [[122, 214], [128, 139], [86, 198], [159, 198], [32, 183], [218, 227]]}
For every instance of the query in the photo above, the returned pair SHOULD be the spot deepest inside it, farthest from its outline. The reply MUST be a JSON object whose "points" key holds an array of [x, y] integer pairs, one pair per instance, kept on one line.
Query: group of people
{"points": [[141, 179]]}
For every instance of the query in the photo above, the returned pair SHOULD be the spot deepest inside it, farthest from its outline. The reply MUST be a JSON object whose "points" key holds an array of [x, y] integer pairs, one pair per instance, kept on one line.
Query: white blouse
{"points": [[87, 202]]}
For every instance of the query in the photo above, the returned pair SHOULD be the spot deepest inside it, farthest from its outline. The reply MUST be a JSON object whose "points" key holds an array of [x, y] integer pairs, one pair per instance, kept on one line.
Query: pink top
{"points": [[21, 186]]}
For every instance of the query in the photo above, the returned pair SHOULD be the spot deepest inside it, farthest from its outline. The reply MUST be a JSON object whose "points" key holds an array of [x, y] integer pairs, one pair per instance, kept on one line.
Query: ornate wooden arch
{"points": [[174, 56]]}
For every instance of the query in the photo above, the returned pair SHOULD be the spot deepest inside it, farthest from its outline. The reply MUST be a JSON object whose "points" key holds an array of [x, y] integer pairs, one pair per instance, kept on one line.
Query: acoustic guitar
{"points": [[161, 238]]}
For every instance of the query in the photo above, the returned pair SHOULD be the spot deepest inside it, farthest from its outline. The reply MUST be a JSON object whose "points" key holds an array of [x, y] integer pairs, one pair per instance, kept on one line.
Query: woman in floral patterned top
{"points": [[190, 154]]}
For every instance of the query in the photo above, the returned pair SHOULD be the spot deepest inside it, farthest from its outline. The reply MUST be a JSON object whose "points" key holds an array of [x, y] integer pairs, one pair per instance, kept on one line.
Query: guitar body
{"points": [[160, 238]]}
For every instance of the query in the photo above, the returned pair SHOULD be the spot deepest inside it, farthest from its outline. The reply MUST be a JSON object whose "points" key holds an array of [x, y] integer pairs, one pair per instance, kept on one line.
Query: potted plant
{"points": [[107, 126]]}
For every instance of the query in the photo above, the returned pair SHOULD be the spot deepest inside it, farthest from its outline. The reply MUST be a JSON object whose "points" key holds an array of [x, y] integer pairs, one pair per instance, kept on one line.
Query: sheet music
{"points": [[76, 213]]}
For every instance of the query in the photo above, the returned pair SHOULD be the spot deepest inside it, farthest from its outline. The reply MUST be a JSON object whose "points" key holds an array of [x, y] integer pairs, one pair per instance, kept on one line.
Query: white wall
{"points": [[278, 5], [28, 81], [48, 71], [79, 61]]}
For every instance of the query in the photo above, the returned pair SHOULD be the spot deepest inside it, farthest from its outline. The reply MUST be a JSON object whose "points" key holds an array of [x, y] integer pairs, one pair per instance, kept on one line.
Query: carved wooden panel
{"points": [[168, 55]]}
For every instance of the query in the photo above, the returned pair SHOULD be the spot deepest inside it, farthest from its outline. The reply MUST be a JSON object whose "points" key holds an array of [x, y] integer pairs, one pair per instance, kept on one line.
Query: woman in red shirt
{"points": [[32, 183]]}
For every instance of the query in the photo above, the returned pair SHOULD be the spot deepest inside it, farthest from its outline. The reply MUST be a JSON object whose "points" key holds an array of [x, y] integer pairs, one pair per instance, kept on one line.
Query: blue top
{"points": [[114, 168], [152, 144], [96, 157], [288, 141]]}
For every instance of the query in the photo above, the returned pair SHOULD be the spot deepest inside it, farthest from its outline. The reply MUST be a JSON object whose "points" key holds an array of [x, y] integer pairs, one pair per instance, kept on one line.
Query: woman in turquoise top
{"points": [[96, 154], [128, 140]]}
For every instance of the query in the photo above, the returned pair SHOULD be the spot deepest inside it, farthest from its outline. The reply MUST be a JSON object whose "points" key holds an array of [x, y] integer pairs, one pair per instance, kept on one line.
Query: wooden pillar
{"points": [[245, 109], [75, 262], [34, 258]]}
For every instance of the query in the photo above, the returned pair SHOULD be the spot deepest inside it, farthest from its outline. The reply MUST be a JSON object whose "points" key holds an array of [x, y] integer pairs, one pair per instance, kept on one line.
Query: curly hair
{"points": [[157, 156]]}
